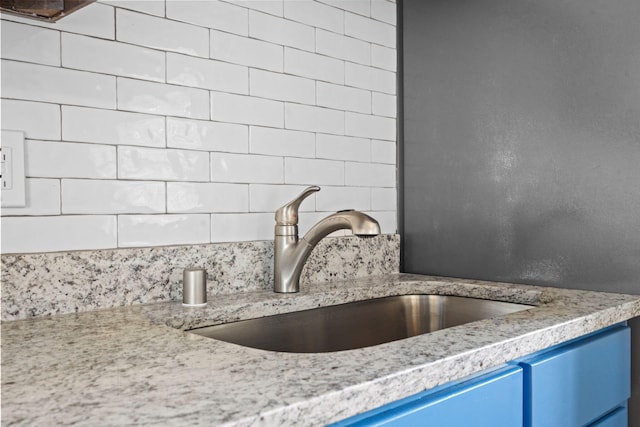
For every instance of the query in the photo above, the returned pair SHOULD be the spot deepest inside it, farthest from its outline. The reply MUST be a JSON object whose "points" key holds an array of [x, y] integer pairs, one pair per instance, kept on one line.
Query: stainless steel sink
{"points": [[357, 324]]}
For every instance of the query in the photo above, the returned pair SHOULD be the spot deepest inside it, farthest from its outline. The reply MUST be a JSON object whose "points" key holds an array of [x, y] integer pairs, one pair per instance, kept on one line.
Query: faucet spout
{"points": [[290, 254]]}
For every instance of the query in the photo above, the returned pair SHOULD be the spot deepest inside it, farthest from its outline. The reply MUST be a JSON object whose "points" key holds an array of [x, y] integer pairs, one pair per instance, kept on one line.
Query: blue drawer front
{"points": [[618, 418], [492, 400], [578, 383]]}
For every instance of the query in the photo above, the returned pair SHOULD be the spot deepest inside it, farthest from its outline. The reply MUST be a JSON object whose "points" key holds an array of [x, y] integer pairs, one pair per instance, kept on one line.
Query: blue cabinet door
{"points": [[491, 400], [575, 384]]}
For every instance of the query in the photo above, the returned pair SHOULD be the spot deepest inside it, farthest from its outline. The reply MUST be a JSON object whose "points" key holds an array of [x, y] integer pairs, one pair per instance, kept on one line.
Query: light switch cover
{"points": [[13, 180]]}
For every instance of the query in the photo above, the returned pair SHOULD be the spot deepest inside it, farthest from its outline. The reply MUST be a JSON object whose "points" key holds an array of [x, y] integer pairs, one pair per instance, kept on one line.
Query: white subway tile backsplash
{"points": [[384, 10], [384, 199], [246, 168], [69, 160], [384, 105], [314, 119], [370, 78], [339, 198], [383, 151], [112, 127], [157, 98], [232, 108], [370, 175], [343, 97], [336, 147], [37, 120], [370, 30], [268, 198], [313, 172], [28, 43], [159, 33], [383, 57], [207, 74], [151, 7], [313, 66], [242, 227], [315, 14], [109, 57], [42, 197], [281, 31], [207, 136], [51, 84], [282, 142], [267, 84], [361, 7], [273, 7], [368, 126], [343, 47], [191, 197], [211, 14], [157, 230], [94, 196], [58, 233], [164, 165], [245, 51]]}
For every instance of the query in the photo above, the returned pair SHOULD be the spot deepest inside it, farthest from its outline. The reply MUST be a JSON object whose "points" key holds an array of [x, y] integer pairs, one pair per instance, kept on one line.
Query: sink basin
{"points": [[357, 324]]}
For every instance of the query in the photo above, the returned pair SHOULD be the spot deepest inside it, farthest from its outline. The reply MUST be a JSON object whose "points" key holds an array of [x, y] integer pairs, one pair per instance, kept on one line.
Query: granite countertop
{"points": [[136, 365]]}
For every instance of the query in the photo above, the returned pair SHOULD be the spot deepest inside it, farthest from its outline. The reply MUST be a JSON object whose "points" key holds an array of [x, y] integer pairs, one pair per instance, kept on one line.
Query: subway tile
{"points": [[313, 119], [51, 84], [157, 230], [37, 120], [211, 14], [207, 74], [368, 126], [370, 78], [108, 57], [69, 160], [383, 10], [268, 198], [361, 7], [384, 199], [246, 168], [245, 51], [311, 65], [94, 196], [388, 221], [383, 151], [160, 33], [157, 98], [58, 233], [30, 44], [343, 47], [336, 147], [241, 227], [96, 20], [343, 97], [339, 198], [383, 57], [368, 29], [315, 14], [151, 7], [370, 175], [42, 197], [282, 142], [159, 164], [384, 105], [228, 107], [281, 31], [190, 197], [273, 7], [313, 172], [207, 136], [282, 87], [112, 127]]}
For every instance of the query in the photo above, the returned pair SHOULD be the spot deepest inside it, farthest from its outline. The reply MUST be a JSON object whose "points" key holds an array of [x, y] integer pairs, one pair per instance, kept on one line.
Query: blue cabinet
{"points": [[585, 382]]}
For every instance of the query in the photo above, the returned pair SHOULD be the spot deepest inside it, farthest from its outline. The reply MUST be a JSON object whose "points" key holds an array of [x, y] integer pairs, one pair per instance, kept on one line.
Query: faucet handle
{"points": [[288, 214]]}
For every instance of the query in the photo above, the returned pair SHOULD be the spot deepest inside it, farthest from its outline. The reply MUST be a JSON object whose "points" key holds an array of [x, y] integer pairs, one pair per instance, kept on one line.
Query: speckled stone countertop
{"points": [[136, 366]]}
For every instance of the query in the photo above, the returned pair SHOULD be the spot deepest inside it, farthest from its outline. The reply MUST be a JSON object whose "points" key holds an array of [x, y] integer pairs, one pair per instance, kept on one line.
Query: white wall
{"points": [[155, 123]]}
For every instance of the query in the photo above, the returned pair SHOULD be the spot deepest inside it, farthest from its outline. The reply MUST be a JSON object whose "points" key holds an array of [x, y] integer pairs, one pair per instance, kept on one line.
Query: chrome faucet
{"points": [[291, 253]]}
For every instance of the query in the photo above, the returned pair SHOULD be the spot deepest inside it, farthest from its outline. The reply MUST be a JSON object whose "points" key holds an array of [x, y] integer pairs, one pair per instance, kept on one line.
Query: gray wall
{"points": [[522, 143]]}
